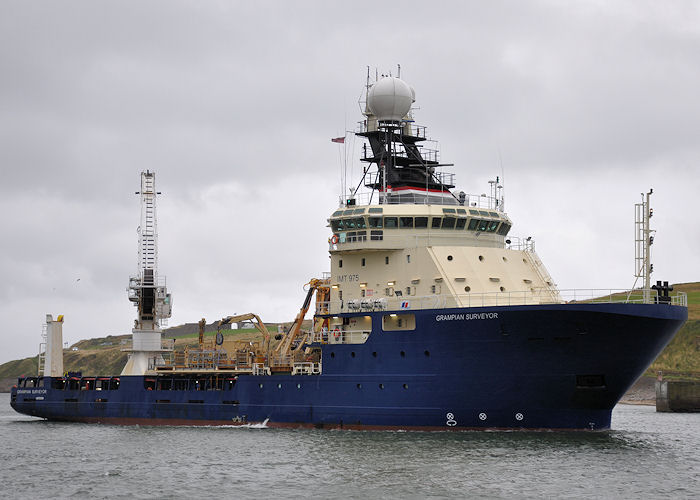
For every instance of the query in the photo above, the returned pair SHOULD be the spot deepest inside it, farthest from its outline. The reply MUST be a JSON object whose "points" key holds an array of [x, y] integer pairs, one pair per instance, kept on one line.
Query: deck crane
{"points": [[284, 348], [259, 325], [147, 289]]}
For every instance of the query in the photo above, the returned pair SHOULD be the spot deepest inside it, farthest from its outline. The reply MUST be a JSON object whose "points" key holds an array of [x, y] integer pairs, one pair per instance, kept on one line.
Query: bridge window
{"points": [[376, 210], [391, 222], [492, 226], [421, 222], [503, 230], [406, 222], [375, 222], [448, 223], [437, 222]]}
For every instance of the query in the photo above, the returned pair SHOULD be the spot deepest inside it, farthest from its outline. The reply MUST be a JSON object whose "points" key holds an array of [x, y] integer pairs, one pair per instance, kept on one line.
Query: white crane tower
{"points": [[147, 290]]}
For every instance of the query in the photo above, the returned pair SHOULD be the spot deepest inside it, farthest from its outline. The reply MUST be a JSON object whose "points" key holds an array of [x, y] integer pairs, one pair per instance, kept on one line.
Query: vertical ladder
{"points": [[643, 240], [42, 350]]}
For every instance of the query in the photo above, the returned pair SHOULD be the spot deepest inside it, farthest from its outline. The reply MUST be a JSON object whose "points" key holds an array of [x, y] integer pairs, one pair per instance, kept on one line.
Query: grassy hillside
{"points": [[104, 356]]}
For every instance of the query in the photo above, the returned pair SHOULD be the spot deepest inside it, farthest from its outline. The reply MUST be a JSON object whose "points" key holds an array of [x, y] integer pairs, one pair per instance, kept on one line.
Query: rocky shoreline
{"points": [[643, 392]]}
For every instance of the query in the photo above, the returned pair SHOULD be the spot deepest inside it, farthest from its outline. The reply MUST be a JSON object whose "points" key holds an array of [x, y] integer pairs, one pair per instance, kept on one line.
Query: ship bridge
{"points": [[409, 241]]}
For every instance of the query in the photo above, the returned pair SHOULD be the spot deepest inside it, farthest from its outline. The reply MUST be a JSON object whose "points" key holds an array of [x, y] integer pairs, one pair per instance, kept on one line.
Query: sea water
{"points": [[645, 455]]}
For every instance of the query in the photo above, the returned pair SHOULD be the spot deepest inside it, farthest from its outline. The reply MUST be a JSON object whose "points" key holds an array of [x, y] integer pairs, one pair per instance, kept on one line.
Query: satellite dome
{"points": [[390, 99]]}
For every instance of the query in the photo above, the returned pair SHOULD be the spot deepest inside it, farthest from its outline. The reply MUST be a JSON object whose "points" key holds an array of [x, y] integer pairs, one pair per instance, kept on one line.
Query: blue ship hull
{"points": [[560, 366]]}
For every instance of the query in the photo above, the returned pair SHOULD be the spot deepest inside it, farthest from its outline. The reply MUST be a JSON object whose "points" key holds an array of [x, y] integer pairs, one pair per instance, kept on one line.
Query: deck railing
{"points": [[491, 299]]}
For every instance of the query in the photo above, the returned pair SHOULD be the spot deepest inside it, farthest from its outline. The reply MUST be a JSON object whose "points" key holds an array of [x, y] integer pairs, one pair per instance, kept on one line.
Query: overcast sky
{"points": [[233, 105]]}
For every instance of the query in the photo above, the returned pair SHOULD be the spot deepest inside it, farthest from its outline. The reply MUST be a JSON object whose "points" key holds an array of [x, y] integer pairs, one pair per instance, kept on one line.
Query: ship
{"points": [[432, 316]]}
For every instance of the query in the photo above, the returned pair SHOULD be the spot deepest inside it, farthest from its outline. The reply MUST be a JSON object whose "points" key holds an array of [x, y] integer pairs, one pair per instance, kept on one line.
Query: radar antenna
{"points": [[147, 290]]}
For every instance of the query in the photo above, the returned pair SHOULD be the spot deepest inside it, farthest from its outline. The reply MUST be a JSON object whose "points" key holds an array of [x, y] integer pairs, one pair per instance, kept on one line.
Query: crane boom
{"points": [[284, 348], [259, 325]]}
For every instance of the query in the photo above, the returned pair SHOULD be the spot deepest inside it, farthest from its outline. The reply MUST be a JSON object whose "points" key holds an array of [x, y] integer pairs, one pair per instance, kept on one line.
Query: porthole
{"points": [[374, 354], [503, 289], [352, 354], [505, 260], [298, 386], [359, 386], [381, 386], [481, 257], [524, 261], [427, 353], [332, 355], [260, 385], [405, 386], [467, 289], [279, 386], [403, 354], [449, 257]]}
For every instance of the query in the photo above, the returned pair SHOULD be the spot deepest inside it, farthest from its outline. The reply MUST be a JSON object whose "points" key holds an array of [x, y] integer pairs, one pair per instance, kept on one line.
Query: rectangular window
{"points": [[492, 226], [391, 222], [473, 212], [376, 210], [375, 222], [386, 259], [408, 259], [437, 221], [461, 211], [503, 230], [473, 224], [406, 222], [448, 223], [335, 226], [376, 235], [395, 322], [360, 223], [448, 210], [363, 262], [461, 223], [421, 222], [340, 263], [483, 224]]}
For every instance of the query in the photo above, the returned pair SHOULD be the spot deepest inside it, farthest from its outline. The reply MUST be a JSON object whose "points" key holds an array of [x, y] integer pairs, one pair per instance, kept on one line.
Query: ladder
{"points": [[42, 350]]}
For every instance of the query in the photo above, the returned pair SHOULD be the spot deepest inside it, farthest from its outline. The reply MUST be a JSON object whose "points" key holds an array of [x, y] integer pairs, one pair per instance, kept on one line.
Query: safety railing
{"points": [[471, 200], [306, 368], [490, 299], [339, 336]]}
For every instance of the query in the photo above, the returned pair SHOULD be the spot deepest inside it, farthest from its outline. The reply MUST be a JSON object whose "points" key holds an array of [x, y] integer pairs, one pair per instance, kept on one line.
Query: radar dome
{"points": [[390, 99]]}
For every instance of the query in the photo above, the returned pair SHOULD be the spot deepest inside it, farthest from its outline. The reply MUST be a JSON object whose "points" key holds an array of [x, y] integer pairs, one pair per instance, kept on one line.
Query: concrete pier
{"points": [[677, 395]]}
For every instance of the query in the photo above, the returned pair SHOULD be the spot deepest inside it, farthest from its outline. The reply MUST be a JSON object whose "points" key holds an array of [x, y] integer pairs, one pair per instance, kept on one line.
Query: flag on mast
{"points": [[340, 140]]}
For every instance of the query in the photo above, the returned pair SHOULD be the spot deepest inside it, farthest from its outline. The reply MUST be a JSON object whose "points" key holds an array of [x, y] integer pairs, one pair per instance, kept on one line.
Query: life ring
{"points": [[334, 239], [336, 333]]}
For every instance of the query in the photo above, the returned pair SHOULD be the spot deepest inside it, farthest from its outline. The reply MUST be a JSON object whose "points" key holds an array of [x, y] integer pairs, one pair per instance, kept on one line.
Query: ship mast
{"points": [[644, 238], [147, 290]]}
